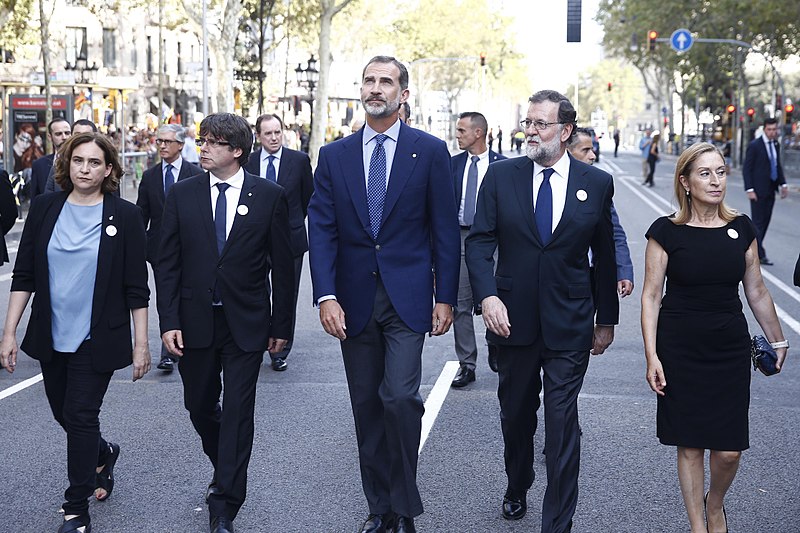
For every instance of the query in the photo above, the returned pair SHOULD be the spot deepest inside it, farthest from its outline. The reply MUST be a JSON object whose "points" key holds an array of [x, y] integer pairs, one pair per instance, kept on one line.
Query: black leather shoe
{"points": [[465, 376], [514, 507], [377, 523], [220, 524], [765, 261], [166, 364], [404, 524], [493, 357], [78, 524], [279, 364]]}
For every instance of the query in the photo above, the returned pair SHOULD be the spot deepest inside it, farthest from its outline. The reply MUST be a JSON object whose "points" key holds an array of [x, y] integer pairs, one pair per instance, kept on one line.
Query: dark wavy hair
{"points": [[110, 183], [232, 129]]}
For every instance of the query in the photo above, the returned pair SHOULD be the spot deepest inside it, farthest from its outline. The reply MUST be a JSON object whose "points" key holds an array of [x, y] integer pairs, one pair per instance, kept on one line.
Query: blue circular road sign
{"points": [[681, 40]]}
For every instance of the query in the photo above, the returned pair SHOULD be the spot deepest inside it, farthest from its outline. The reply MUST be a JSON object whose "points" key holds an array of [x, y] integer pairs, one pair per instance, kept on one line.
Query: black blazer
{"points": [[296, 178], [458, 163], [121, 283], [8, 212], [755, 170], [189, 265], [40, 170], [545, 285], [151, 202], [797, 272]]}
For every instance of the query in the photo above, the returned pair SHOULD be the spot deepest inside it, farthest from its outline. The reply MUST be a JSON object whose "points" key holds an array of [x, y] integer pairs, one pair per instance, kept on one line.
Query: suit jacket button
{"points": [[378, 247], [374, 274]]}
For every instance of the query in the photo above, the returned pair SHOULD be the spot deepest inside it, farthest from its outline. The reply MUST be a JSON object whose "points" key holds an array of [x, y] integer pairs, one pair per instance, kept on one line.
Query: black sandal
{"points": [[105, 478], [79, 524]]}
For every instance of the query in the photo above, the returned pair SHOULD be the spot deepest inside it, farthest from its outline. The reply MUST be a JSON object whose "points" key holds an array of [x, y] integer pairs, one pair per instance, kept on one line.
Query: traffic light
{"points": [[750, 114], [483, 59], [731, 109], [788, 110], [609, 86], [652, 35]]}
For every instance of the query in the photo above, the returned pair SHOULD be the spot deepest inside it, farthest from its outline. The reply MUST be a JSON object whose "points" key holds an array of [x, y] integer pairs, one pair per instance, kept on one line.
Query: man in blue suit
{"points": [[541, 214], [291, 170], [381, 222], [471, 130], [580, 147], [59, 131], [763, 177]]}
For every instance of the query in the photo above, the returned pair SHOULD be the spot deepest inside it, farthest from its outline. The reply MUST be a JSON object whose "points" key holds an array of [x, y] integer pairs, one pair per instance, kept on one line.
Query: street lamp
{"points": [[81, 66], [308, 78]]}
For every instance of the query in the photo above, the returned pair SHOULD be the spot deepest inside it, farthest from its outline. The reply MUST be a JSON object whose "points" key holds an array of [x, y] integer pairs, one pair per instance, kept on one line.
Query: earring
{"points": [[687, 192]]}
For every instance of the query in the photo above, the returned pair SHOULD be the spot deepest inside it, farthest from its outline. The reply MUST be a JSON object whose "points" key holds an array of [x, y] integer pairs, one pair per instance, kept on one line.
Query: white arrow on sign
{"points": [[681, 40]]}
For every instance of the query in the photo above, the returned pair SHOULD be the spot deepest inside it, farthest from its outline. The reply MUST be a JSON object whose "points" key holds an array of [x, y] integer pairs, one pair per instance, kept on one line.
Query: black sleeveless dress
{"points": [[702, 339]]}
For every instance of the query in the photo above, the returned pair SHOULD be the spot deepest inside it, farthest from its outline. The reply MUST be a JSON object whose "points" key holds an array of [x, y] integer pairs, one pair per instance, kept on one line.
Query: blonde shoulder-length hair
{"points": [[685, 166]]}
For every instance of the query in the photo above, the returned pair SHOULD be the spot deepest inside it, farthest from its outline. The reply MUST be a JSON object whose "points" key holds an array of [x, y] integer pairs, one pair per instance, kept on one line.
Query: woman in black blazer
{"points": [[82, 252], [8, 212]]}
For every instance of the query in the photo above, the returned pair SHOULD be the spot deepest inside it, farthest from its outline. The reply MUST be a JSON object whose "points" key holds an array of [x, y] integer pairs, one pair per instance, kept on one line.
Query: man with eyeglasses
{"points": [[59, 131], [291, 170], [541, 214], [222, 234], [156, 183]]}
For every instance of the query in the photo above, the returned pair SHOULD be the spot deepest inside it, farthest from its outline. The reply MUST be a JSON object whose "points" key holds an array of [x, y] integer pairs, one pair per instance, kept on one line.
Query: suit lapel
{"points": [[110, 237], [458, 175], [351, 160], [203, 199], [523, 189], [575, 181], [246, 198], [402, 167]]}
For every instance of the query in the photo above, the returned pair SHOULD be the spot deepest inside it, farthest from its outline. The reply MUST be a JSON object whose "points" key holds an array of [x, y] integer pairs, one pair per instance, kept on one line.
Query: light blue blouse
{"points": [[72, 257]]}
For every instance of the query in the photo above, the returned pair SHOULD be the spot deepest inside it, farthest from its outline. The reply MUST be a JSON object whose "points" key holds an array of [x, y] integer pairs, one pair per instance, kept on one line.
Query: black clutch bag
{"points": [[764, 356]]}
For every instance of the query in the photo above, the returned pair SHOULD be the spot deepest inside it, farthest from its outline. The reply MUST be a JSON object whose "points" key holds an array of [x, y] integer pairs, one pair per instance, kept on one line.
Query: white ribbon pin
{"points": [[733, 234], [581, 194], [111, 230], [242, 210]]}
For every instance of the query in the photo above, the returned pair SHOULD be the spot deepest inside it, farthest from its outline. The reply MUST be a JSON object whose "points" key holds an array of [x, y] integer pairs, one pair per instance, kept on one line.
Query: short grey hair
{"points": [[177, 129]]}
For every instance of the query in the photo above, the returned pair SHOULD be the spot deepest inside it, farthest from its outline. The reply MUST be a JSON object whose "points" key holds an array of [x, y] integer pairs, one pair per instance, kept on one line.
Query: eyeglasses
{"points": [[168, 142], [540, 125], [200, 141]]}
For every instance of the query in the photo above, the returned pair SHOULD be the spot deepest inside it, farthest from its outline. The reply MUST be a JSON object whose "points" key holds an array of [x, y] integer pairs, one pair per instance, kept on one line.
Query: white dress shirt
{"points": [[176, 170], [389, 146], [558, 184], [483, 166], [265, 162], [231, 196]]}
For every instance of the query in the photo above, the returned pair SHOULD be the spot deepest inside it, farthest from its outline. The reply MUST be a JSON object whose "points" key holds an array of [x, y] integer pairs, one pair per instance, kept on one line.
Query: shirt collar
{"points": [[175, 164], [561, 167], [236, 181], [265, 155], [393, 132]]}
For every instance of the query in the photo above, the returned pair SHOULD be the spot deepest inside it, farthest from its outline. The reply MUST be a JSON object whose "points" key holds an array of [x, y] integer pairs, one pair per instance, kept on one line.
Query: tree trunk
{"points": [[45, 32]]}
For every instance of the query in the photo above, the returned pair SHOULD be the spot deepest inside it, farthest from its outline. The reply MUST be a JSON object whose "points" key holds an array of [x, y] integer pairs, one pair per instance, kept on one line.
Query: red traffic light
{"points": [[483, 59], [789, 109], [609, 86], [731, 109], [751, 112], [652, 35]]}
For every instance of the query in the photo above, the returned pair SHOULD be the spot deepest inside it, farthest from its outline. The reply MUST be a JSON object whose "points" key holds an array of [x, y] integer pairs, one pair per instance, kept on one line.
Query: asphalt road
{"points": [[304, 472]]}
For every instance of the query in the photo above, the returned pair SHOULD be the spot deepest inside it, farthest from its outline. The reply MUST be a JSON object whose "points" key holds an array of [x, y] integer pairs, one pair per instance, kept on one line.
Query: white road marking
{"points": [[436, 398], [20, 386]]}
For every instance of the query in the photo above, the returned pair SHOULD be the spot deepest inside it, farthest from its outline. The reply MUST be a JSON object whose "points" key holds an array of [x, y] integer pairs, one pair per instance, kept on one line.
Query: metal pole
{"points": [[261, 58], [205, 58], [160, 57]]}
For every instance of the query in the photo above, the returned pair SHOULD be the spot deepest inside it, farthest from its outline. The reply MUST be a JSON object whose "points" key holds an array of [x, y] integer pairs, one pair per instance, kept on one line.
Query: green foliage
{"points": [[624, 99], [15, 27]]}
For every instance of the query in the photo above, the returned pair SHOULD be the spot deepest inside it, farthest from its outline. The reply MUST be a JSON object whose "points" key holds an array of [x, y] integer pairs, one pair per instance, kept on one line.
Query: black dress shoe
{"points": [[220, 524], [78, 524], [166, 364], [377, 523], [279, 364], [493, 357], [465, 376], [404, 524], [765, 261], [514, 507]]}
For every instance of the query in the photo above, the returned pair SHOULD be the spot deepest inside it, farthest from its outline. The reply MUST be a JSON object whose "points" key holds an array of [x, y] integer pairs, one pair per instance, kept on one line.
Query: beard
{"points": [[543, 153], [381, 109]]}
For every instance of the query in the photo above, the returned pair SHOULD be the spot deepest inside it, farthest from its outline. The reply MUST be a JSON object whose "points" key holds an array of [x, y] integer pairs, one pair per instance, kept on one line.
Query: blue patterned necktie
{"points": [[543, 212], [169, 179], [376, 185], [220, 213], [471, 192], [773, 162], [271, 169]]}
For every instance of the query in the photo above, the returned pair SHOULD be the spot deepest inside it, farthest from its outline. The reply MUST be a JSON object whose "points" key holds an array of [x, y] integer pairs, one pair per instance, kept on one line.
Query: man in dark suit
{"points": [[156, 183], [471, 130], [382, 220], [218, 233], [292, 171], [59, 131], [763, 177], [541, 214]]}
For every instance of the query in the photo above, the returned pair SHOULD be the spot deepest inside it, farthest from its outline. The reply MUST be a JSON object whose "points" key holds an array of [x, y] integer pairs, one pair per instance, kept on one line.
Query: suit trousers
{"points": [[519, 368], [383, 364], [762, 214], [226, 431], [75, 392], [463, 325], [298, 271]]}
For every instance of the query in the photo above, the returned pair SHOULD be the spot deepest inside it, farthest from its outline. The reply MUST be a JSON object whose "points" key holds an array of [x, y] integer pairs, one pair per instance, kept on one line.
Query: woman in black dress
{"points": [[696, 339]]}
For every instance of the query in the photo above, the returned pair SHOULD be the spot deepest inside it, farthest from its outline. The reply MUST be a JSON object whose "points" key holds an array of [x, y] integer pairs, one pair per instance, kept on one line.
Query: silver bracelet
{"points": [[780, 344]]}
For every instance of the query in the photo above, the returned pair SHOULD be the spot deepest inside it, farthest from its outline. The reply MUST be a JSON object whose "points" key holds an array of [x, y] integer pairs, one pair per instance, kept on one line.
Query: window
{"points": [[180, 60], [149, 55], [109, 47], [76, 47]]}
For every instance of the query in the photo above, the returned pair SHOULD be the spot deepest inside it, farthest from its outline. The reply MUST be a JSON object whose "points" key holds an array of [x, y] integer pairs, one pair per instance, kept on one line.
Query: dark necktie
{"points": [[773, 161], [271, 169], [471, 192], [543, 212], [169, 179], [376, 185], [220, 213]]}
